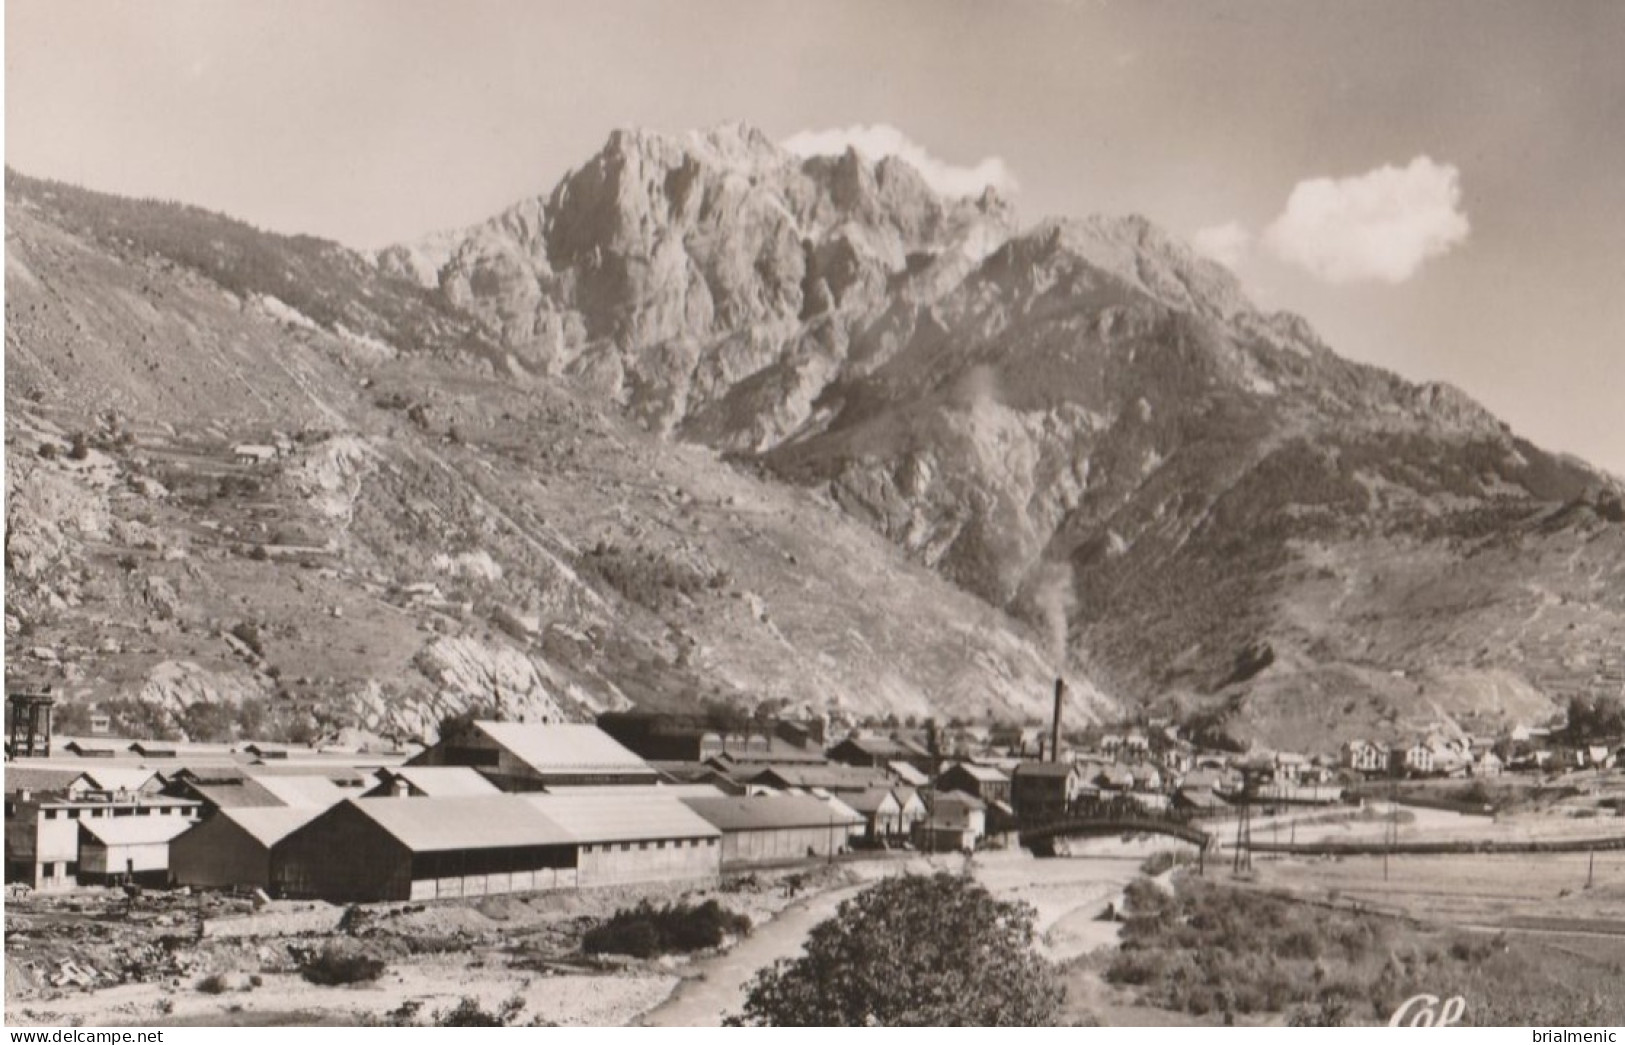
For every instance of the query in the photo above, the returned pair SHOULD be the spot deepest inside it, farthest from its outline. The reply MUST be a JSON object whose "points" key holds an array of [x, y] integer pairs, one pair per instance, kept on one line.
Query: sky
{"points": [[1437, 185]]}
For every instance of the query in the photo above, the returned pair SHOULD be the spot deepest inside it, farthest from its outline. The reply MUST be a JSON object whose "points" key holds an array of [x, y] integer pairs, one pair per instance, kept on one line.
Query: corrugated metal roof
{"points": [[908, 774], [135, 830], [314, 792], [1044, 769], [115, 778], [870, 801], [984, 774], [431, 825], [765, 812], [442, 781], [622, 818], [836, 778], [269, 825], [658, 790], [227, 793], [563, 746], [39, 778]]}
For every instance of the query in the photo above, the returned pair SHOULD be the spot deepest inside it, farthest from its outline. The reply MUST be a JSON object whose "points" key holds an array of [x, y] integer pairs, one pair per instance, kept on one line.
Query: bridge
{"points": [[1040, 838]]}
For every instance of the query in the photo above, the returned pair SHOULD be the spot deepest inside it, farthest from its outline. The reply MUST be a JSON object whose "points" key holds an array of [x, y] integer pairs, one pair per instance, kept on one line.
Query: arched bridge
{"points": [[1040, 838]]}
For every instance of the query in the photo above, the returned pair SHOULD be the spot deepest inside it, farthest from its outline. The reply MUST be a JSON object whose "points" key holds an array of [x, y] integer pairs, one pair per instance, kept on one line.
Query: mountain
{"points": [[709, 422], [424, 530], [1081, 418]]}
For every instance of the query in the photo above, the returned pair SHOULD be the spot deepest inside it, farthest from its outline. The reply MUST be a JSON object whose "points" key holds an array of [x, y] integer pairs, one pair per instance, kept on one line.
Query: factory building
{"points": [[520, 756], [644, 837], [762, 830], [235, 848], [371, 849]]}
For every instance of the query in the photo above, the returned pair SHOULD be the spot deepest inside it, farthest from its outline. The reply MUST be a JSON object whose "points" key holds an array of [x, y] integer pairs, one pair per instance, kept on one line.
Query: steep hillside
{"points": [[1081, 418], [709, 422], [432, 531]]}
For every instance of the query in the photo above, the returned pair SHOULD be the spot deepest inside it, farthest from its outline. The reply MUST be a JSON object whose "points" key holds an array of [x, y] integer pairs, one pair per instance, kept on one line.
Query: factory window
{"points": [[50, 814], [626, 847], [643, 845]]}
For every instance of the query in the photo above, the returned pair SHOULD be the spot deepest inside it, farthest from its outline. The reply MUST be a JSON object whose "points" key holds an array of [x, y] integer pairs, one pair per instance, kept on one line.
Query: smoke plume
{"points": [[1054, 595]]}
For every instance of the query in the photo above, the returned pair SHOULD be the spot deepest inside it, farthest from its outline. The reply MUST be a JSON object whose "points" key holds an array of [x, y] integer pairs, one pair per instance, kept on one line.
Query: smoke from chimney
{"points": [[1055, 727]]}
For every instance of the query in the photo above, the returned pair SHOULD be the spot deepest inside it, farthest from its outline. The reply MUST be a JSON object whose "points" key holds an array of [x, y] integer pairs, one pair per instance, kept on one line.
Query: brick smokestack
{"points": [[1055, 726]]}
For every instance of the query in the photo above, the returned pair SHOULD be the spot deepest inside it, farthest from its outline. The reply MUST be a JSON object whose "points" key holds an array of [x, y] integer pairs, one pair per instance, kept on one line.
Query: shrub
{"points": [[912, 951], [214, 983], [646, 930], [249, 635], [469, 1013], [334, 966]]}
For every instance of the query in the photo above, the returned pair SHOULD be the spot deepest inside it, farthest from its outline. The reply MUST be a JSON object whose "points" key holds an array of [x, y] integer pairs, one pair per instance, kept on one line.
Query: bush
{"points": [[468, 1013], [333, 967], [910, 952], [645, 931], [214, 983]]}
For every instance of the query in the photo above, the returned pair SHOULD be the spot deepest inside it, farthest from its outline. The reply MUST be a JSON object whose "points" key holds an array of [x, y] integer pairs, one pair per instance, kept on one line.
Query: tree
{"points": [[912, 952], [1596, 718]]}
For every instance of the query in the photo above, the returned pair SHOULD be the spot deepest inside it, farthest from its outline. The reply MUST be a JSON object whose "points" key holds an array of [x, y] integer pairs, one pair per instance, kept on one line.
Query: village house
{"points": [[985, 782], [881, 812], [1290, 766], [1177, 759], [956, 822], [1114, 778], [1365, 757], [1419, 759], [911, 802], [1488, 764]]}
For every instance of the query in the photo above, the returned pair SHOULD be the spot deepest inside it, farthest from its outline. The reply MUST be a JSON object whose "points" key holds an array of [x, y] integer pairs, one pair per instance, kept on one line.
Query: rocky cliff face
{"points": [[711, 284], [1082, 396]]}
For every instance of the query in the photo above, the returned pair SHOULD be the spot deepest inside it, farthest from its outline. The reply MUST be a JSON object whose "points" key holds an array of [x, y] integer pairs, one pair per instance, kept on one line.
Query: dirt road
{"points": [[715, 987]]}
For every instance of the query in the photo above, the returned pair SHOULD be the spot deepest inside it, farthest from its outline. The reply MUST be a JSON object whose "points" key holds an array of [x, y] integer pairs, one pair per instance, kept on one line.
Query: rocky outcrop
{"points": [[679, 274]]}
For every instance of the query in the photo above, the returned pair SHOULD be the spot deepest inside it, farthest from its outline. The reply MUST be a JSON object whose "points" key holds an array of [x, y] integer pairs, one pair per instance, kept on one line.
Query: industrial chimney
{"points": [[1055, 728]]}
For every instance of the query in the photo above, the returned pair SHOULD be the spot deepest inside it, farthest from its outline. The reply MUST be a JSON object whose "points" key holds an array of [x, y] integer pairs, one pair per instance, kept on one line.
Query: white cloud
{"points": [[1381, 225], [880, 140], [1227, 244]]}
